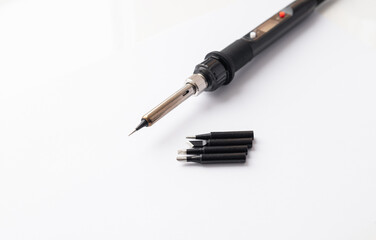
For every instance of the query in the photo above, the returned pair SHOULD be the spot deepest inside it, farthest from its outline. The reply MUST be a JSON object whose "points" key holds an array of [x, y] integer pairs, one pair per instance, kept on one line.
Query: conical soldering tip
{"points": [[143, 123], [132, 132]]}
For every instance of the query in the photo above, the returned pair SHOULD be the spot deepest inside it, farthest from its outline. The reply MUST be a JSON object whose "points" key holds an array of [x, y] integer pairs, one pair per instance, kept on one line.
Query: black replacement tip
{"points": [[215, 149], [222, 142], [223, 135], [215, 158], [197, 143], [142, 124]]}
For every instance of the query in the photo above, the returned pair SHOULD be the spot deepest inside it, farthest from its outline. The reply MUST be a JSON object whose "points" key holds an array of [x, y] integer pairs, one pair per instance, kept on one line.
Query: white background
{"points": [[77, 75]]}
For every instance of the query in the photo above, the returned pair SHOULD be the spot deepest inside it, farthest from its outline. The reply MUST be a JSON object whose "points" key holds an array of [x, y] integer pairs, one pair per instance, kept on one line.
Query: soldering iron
{"points": [[219, 68]]}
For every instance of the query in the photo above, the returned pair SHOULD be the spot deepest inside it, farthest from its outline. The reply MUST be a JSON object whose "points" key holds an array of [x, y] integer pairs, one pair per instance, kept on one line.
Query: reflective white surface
{"points": [[76, 76]]}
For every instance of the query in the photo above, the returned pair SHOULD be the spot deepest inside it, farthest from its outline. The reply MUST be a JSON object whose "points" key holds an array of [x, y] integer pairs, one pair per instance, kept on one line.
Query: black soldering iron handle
{"points": [[219, 68]]}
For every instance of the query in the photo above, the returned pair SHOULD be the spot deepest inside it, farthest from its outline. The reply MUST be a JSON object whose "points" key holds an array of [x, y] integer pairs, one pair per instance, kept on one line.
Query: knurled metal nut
{"points": [[198, 82]]}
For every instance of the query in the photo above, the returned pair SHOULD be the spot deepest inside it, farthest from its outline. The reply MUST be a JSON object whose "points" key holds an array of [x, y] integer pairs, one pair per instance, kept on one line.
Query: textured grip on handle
{"points": [[239, 53]]}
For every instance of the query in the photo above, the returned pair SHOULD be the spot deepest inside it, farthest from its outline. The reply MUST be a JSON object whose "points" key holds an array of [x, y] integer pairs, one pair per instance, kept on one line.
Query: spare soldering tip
{"points": [[197, 143], [182, 152], [190, 144], [181, 158]]}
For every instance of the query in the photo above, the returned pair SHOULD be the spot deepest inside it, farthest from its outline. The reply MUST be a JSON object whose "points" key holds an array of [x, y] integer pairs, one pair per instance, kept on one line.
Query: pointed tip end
{"points": [[143, 123], [181, 158], [132, 132], [191, 137]]}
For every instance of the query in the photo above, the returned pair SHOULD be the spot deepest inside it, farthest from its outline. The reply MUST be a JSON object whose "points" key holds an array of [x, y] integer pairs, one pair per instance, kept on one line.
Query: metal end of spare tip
{"points": [[190, 144], [181, 158], [182, 152], [197, 143]]}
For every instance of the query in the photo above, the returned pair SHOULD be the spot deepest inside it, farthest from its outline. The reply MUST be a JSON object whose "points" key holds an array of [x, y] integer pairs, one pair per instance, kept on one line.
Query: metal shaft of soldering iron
{"points": [[219, 68], [194, 85]]}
